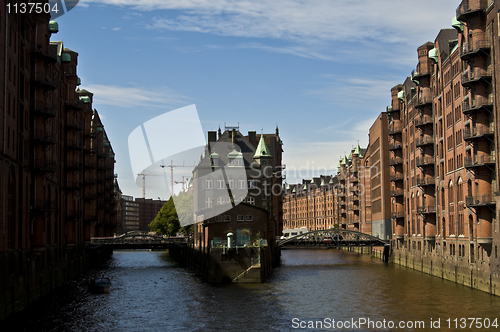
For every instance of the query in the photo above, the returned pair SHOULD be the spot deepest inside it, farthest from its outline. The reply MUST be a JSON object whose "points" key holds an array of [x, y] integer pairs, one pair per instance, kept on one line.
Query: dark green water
{"points": [[151, 293]]}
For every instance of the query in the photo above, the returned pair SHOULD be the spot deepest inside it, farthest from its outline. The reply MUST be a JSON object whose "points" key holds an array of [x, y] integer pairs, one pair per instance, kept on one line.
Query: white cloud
{"points": [[136, 96], [326, 20], [116, 29]]}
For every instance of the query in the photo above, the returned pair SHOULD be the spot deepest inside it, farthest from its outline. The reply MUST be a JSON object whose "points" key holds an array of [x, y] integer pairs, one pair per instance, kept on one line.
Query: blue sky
{"points": [[320, 69]]}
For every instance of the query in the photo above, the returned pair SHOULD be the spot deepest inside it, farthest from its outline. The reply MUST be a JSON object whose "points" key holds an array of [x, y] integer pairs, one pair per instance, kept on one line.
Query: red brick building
{"points": [[56, 163]]}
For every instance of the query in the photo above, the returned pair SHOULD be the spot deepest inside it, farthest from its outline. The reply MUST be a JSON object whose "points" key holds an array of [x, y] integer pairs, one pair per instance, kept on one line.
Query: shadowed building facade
{"points": [[56, 164]]}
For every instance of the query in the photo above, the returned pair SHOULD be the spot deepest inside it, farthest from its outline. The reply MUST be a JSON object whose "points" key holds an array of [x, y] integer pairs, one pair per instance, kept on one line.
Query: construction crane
{"points": [[172, 182], [144, 182]]}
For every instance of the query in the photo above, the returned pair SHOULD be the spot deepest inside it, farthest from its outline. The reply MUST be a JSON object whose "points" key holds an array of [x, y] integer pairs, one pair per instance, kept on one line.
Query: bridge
{"points": [[331, 238], [138, 241]]}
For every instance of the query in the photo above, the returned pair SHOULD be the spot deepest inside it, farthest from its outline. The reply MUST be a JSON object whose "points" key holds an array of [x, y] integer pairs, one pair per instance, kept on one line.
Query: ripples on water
{"points": [[151, 293]]}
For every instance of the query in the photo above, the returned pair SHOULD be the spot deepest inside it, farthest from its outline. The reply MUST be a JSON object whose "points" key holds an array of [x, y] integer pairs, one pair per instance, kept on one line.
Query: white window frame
{"points": [[251, 200], [240, 217], [221, 200], [208, 183], [208, 202], [220, 184], [227, 217]]}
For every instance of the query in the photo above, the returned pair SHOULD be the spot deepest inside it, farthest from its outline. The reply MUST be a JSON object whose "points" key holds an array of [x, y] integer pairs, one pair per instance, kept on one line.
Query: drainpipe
{"points": [[5, 111]]}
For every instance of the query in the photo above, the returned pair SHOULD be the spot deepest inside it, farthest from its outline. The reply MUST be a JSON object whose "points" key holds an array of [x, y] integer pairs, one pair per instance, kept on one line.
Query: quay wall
{"points": [[40, 272], [470, 275]]}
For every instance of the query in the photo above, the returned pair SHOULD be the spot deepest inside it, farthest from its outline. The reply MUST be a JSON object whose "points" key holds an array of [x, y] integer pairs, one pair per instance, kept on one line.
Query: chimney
{"points": [[212, 136], [252, 137]]}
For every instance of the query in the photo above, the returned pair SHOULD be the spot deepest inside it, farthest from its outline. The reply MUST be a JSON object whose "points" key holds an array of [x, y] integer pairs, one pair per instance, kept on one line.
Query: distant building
{"points": [[238, 197], [148, 210], [130, 214]]}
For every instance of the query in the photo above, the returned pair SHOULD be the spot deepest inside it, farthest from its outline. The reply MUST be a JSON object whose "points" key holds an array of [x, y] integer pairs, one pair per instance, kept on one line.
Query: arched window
{"points": [[220, 200], [460, 190], [220, 183], [251, 200], [208, 183], [450, 192], [208, 202]]}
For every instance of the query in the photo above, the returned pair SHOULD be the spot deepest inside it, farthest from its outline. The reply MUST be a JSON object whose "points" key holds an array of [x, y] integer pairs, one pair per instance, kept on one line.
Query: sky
{"points": [[320, 70]]}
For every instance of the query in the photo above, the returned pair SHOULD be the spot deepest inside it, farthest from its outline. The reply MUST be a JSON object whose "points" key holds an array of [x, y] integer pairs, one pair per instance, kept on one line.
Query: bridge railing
{"points": [[139, 240], [333, 238]]}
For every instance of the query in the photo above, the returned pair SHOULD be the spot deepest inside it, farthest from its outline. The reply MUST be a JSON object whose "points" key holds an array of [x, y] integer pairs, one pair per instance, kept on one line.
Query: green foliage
{"points": [[166, 222], [178, 208], [335, 226]]}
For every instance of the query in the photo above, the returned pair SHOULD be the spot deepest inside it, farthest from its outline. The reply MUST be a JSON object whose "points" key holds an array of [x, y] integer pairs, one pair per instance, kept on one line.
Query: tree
{"points": [[166, 221]]}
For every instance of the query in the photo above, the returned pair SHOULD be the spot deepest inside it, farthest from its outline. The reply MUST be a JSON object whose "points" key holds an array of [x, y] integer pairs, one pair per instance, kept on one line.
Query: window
{"points": [[208, 202], [218, 218], [227, 217], [251, 200], [215, 162], [231, 183], [242, 184], [220, 200], [220, 184], [251, 184], [249, 217], [208, 183], [241, 217]]}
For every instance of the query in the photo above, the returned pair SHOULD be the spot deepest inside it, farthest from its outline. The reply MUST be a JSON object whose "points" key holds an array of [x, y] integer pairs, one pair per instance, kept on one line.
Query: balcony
{"points": [[396, 215], [48, 83], [47, 55], [395, 146], [478, 132], [44, 137], [395, 129], [478, 103], [426, 140], [468, 7], [476, 75], [396, 177], [353, 207], [431, 209], [47, 111], [397, 192], [481, 200], [74, 124], [425, 181], [76, 105], [478, 161], [424, 100], [423, 120], [424, 161], [74, 144], [395, 161], [45, 166], [469, 50], [417, 75]]}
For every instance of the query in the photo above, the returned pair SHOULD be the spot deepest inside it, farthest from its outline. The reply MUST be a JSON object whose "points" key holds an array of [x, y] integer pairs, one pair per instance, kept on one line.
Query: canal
{"points": [[151, 292]]}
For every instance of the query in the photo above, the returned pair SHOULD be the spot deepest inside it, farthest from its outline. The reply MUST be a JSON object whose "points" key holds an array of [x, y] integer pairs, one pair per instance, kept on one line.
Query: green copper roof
{"points": [[214, 155], [357, 150], [459, 25], [312, 181], [344, 161], [66, 57], [305, 186], [401, 95], [235, 154], [322, 182], [262, 150], [434, 54], [293, 190], [85, 99], [331, 180], [338, 165], [288, 187], [53, 27]]}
